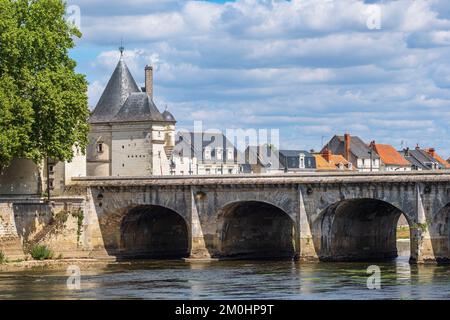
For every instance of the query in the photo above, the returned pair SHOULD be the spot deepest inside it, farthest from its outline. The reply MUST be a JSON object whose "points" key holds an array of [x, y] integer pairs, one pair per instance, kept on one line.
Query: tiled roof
{"points": [[333, 164], [390, 156], [357, 147], [439, 159], [290, 159], [420, 158]]}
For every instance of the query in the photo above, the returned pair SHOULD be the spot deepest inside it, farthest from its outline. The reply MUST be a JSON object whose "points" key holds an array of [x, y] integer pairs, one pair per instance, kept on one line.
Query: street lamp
{"points": [[371, 155]]}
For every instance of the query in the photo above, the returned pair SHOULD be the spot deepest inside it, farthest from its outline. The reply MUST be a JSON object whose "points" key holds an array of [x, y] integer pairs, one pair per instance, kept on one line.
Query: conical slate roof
{"points": [[119, 87], [168, 116], [138, 107]]}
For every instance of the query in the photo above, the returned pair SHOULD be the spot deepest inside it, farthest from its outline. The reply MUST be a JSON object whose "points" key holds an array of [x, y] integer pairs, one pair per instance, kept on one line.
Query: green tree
{"points": [[43, 101]]}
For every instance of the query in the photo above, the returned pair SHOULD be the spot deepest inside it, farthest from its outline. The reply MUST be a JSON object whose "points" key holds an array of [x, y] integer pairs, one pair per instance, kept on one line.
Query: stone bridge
{"points": [[339, 216]]}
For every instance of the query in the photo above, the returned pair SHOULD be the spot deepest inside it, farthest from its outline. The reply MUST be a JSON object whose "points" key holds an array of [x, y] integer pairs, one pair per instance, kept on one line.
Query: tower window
{"points": [[100, 147]]}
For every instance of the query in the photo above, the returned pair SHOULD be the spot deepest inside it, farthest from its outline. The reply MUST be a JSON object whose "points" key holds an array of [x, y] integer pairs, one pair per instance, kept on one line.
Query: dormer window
{"points": [[350, 166], [230, 154], [301, 162], [219, 153], [207, 153], [341, 166]]}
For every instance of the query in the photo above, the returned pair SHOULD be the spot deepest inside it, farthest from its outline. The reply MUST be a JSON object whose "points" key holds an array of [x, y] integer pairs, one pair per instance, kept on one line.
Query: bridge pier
{"points": [[197, 247], [432, 237], [306, 249]]}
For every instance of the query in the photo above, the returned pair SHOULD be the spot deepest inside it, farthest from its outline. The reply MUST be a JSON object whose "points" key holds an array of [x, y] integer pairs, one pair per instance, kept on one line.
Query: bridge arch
{"points": [[153, 231], [254, 229], [360, 229]]}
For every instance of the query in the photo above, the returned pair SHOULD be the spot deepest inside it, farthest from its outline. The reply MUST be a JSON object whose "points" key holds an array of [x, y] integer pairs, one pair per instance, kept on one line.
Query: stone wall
{"points": [[60, 225]]}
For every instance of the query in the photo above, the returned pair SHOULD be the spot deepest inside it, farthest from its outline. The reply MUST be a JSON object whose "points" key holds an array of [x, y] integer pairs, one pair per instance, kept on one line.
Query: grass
{"points": [[403, 233], [40, 252]]}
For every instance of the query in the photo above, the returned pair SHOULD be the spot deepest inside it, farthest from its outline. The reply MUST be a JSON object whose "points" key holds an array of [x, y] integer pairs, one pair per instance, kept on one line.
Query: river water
{"points": [[233, 280]]}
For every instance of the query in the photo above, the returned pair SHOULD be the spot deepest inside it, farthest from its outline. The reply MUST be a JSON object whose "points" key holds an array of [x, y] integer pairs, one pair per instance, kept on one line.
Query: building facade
{"points": [[203, 154]]}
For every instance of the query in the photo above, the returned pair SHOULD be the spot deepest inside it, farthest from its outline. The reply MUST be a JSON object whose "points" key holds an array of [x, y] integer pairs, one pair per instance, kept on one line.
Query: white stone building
{"points": [[203, 154], [129, 136], [25, 178]]}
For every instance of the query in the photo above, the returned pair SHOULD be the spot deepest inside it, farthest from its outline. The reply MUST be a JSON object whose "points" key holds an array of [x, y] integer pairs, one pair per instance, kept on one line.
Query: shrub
{"points": [[40, 252], [2, 257]]}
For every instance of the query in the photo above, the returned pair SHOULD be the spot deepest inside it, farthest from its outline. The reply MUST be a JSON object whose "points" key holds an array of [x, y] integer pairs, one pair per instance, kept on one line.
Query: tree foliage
{"points": [[43, 101]]}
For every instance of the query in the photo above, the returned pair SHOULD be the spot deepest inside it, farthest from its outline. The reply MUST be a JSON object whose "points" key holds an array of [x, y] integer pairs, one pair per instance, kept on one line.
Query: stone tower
{"points": [[129, 136]]}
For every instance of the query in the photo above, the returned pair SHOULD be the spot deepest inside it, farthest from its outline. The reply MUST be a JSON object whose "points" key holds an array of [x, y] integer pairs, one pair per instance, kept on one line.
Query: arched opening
{"points": [[359, 230], [403, 238], [153, 232], [256, 230]]}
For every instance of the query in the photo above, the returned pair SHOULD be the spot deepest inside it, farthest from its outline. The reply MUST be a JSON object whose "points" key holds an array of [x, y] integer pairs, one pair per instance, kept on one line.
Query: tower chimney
{"points": [[347, 139], [326, 154], [432, 152], [149, 81]]}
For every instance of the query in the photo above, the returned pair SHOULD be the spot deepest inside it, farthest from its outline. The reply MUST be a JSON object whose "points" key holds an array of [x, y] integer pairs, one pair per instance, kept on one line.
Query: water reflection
{"points": [[233, 280]]}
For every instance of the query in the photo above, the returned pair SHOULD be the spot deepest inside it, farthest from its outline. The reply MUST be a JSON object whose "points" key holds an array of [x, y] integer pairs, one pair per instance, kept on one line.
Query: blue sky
{"points": [[311, 68]]}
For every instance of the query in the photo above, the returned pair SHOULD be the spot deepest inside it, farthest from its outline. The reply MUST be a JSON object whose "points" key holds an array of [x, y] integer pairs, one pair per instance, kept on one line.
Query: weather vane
{"points": [[121, 48]]}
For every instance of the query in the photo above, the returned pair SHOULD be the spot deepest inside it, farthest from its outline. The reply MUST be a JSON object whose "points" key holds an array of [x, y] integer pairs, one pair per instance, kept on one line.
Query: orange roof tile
{"points": [[335, 160], [390, 156], [323, 164], [439, 159]]}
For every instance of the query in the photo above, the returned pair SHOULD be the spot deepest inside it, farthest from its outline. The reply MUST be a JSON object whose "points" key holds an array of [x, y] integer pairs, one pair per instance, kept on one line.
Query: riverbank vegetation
{"points": [[403, 233], [2, 258], [41, 252]]}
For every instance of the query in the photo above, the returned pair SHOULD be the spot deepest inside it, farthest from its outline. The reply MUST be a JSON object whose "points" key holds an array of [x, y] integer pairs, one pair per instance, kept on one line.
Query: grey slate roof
{"points": [[290, 159], [138, 107], [262, 155], [123, 101], [119, 87], [357, 147], [420, 159], [167, 116]]}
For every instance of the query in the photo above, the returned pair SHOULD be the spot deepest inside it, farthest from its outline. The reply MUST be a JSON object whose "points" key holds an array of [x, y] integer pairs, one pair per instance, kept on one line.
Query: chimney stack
{"points": [[149, 81], [347, 138], [432, 152], [326, 154]]}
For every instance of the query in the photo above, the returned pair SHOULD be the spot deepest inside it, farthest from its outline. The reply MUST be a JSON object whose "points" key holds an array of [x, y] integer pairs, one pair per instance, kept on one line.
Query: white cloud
{"points": [[309, 67]]}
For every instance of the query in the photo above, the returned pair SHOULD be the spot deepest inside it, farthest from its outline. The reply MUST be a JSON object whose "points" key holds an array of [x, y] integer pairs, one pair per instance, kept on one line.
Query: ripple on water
{"points": [[233, 280]]}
